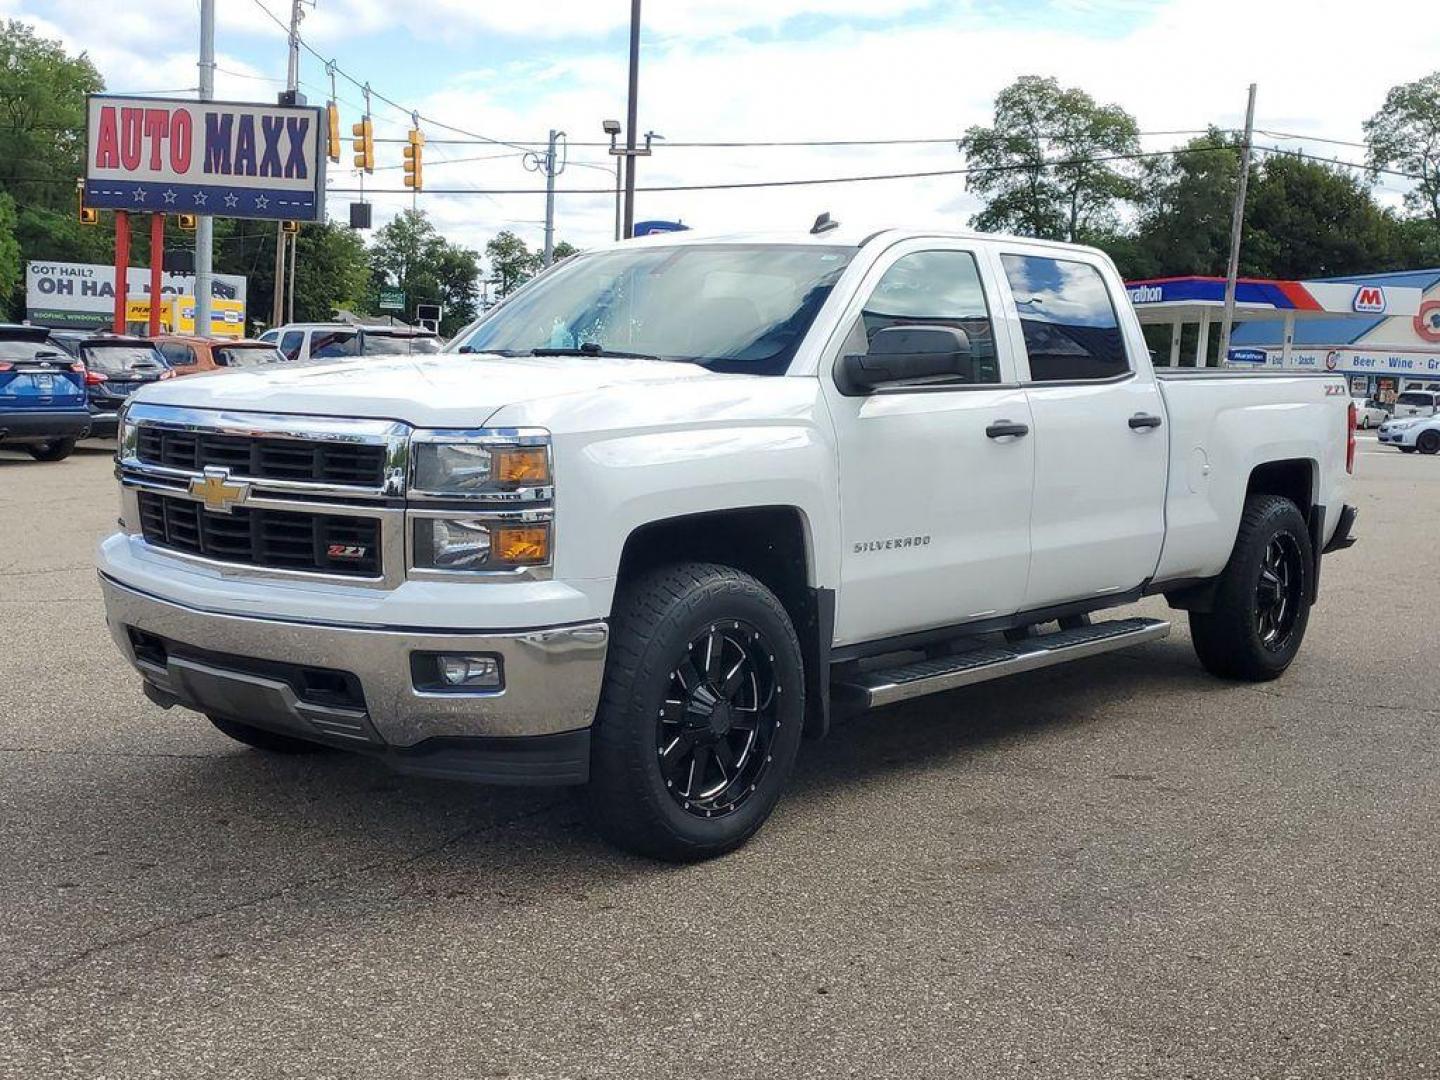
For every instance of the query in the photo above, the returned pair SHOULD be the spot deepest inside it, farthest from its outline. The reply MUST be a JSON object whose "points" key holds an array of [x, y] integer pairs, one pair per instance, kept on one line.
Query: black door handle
{"points": [[1002, 428], [1144, 420]]}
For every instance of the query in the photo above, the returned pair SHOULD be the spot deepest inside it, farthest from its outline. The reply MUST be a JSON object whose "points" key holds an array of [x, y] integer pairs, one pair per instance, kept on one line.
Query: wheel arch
{"points": [[774, 545]]}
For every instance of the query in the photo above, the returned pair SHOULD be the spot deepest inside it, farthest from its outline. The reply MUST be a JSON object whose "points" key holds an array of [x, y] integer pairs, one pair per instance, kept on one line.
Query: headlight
{"points": [[461, 464], [460, 543]]}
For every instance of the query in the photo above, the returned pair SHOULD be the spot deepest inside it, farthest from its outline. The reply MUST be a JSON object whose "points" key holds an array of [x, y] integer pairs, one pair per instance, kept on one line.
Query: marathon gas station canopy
{"points": [[1201, 300]]}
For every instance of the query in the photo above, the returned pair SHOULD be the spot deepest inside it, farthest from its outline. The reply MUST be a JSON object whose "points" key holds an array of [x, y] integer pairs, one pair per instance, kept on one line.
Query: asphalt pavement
{"points": [[1120, 869]]}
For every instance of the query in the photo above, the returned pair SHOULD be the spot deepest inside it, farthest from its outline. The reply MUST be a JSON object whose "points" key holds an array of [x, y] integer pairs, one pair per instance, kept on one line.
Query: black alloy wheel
{"points": [[1280, 592], [1428, 442], [718, 721]]}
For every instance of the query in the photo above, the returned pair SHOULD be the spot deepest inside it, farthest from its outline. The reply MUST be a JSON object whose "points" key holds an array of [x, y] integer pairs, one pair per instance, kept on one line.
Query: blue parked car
{"points": [[42, 394]]}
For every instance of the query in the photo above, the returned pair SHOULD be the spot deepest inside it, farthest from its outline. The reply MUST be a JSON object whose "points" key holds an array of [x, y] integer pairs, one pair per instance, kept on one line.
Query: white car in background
{"points": [[1411, 434], [1369, 413], [1421, 403]]}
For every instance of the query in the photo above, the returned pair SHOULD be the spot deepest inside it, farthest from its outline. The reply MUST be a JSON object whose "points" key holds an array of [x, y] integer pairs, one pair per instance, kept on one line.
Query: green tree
{"points": [[10, 265], [1039, 165], [1308, 219], [511, 262], [1405, 134], [564, 249], [410, 254], [42, 132]]}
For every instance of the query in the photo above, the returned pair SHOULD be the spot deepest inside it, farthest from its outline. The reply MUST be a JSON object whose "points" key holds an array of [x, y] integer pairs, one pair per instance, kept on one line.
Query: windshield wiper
{"points": [[591, 349]]}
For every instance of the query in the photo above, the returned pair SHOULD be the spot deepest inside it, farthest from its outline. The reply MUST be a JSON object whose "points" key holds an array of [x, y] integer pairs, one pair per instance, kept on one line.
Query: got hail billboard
{"points": [[230, 159]]}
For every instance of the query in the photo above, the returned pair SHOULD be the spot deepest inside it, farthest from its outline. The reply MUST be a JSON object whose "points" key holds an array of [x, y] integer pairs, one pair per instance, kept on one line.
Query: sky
{"points": [[754, 70]]}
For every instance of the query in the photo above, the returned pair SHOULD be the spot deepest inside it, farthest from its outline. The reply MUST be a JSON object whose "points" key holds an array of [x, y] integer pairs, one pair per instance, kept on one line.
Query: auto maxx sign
{"points": [[156, 155]]}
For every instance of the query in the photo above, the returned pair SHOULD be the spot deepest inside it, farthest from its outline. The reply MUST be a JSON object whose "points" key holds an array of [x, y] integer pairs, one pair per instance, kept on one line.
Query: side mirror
{"points": [[905, 354], [465, 348]]}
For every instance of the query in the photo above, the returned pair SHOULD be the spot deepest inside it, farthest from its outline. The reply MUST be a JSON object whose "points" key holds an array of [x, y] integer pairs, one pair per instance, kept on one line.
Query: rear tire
{"points": [[700, 714], [1262, 601], [270, 741], [54, 450], [1428, 442]]}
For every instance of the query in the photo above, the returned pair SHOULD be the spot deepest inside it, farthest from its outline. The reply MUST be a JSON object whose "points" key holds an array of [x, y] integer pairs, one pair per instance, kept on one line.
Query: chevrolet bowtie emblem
{"points": [[217, 491]]}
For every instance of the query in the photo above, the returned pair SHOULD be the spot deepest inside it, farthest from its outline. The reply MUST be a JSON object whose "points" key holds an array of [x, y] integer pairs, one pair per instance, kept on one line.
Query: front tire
{"points": [[54, 450], [700, 714], [1428, 442], [1262, 602], [270, 741]]}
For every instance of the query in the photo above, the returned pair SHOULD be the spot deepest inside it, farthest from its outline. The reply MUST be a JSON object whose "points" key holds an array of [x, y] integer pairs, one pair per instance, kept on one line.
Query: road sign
{"points": [[229, 159], [392, 300]]}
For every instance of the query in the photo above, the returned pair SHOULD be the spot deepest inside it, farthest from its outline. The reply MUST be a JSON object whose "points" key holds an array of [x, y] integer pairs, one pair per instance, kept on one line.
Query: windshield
{"points": [[392, 344], [248, 356], [728, 307], [118, 359]]}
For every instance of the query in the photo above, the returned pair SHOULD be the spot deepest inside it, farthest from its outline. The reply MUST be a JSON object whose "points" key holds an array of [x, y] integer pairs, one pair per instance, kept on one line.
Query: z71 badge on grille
{"points": [[346, 551]]}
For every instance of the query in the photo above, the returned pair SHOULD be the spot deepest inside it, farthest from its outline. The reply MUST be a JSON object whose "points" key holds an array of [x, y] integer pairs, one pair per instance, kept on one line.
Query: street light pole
{"points": [[204, 226], [632, 108], [550, 170]]}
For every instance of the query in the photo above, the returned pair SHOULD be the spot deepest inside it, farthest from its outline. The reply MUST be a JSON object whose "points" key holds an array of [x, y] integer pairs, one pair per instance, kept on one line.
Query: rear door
{"points": [[1098, 514]]}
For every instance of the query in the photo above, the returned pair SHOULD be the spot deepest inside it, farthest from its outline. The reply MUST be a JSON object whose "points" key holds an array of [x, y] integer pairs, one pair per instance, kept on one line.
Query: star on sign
{"points": [[139, 194], [200, 198], [261, 202], [169, 196], [232, 200]]}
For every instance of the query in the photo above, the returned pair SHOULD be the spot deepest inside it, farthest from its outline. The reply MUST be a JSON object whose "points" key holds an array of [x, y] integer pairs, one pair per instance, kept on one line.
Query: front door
{"points": [[935, 498], [1100, 444]]}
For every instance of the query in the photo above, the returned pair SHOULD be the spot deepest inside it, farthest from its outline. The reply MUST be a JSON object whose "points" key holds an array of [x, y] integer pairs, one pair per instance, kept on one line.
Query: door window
{"points": [[1071, 329], [328, 344], [291, 342], [932, 288], [178, 354]]}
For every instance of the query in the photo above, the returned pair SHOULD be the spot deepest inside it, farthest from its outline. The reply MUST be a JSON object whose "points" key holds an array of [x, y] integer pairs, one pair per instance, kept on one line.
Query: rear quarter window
{"points": [[1068, 316]]}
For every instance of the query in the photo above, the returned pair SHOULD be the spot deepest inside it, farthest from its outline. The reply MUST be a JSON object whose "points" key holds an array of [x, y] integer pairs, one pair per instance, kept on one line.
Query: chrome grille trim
{"points": [[383, 502]]}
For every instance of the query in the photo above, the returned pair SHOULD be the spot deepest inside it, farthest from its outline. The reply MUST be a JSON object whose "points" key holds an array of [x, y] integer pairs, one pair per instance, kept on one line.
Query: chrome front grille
{"points": [[319, 543], [313, 496], [361, 465]]}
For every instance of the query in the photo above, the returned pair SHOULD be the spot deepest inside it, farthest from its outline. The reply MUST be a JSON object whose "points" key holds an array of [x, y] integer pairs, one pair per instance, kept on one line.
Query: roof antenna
{"points": [[823, 224]]}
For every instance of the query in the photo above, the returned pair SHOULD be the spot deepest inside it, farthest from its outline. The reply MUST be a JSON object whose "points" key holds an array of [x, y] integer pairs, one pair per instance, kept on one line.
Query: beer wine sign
{"points": [[229, 159]]}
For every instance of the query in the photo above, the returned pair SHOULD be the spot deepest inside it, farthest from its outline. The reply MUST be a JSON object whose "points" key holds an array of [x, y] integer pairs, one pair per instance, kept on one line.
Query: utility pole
{"points": [[1237, 226], [550, 171], [632, 109], [292, 86], [204, 227]]}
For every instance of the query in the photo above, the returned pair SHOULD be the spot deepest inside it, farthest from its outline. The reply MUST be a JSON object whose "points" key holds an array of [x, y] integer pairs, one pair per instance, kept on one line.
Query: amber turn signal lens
{"points": [[521, 545], [522, 465]]}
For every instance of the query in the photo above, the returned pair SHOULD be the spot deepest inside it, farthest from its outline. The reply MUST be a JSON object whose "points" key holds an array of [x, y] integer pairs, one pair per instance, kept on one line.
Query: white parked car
{"points": [[680, 500], [1412, 434], [1370, 413], [1420, 403], [337, 341]]}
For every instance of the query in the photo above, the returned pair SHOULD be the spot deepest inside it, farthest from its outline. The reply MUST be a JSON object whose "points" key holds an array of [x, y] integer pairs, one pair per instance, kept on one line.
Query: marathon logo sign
{"points": [[1370, 300], [152, 155]]}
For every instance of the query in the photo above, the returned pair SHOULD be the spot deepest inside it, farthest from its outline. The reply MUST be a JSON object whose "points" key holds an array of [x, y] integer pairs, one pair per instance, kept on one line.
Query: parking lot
{"points": [[1121, 869]]}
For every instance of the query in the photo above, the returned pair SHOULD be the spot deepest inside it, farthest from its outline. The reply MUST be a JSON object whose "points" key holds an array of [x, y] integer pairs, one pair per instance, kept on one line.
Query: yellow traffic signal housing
{"points": [[88, 214], [414, 160], [187, 222], [332, 146], [364, 144], [290, 227]]}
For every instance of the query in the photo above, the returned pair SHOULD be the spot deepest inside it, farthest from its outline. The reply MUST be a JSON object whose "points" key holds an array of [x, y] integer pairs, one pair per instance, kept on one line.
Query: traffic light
{"points": [[88, 214], [414, 163], [364, 133], [187, 222], [290, 228], [332, 145]]}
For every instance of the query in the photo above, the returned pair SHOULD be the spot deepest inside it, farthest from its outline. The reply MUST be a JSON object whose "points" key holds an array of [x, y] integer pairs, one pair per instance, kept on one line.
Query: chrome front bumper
{"points": [[227, 665]]}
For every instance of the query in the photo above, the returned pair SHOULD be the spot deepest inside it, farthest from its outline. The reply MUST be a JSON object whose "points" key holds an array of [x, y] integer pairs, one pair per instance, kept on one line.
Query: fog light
{"points": [[458, 673]]}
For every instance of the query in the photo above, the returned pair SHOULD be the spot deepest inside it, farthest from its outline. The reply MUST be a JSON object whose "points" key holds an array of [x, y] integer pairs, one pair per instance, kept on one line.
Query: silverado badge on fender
{"points": [[217, 491]]}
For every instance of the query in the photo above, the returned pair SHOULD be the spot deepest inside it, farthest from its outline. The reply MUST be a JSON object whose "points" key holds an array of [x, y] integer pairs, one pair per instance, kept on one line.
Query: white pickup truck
{"points": [[682, 500]]}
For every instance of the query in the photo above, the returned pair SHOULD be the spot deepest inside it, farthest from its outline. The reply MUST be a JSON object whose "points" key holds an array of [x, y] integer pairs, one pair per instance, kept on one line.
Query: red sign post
{"points": [[122, 268], [157, 261]]}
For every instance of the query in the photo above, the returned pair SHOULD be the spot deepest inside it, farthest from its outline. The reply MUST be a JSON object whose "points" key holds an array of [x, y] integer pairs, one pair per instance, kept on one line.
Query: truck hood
{"points": [[440, 390]]}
